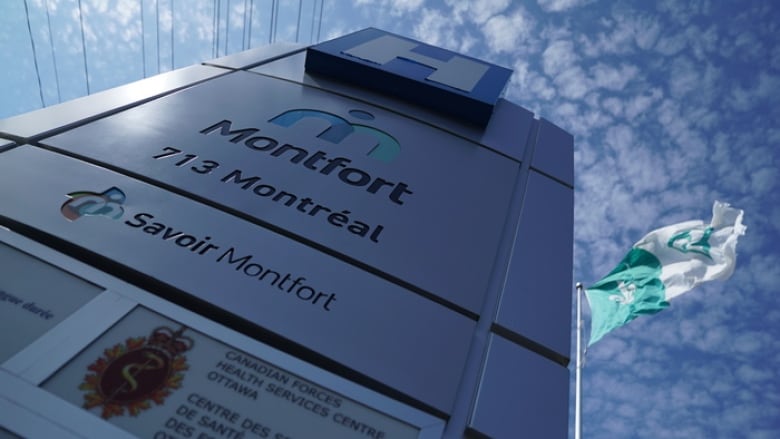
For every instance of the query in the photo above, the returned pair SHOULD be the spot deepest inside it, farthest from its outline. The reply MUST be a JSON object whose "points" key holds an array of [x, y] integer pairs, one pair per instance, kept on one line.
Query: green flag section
{"points": [[664, 264]]}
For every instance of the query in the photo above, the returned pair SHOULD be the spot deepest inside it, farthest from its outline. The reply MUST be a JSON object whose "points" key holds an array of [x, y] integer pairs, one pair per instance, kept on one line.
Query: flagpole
{"points": [[578, 369]]}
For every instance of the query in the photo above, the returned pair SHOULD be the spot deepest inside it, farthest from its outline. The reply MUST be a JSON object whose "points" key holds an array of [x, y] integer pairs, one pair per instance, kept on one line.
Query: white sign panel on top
{"points": [[407, 200]]}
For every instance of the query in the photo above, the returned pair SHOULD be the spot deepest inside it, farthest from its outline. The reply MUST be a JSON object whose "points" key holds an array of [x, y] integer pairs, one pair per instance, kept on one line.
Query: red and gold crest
{"points": [[132, 374]]}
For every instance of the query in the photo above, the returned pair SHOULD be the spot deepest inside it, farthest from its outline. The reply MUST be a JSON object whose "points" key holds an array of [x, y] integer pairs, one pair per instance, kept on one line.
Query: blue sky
{"points": [[673, 104]]}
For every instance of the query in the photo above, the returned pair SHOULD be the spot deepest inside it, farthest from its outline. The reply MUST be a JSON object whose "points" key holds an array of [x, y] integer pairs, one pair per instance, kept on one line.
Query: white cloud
{"points": [[558, 56], [764, 271], [504, 33], [671, 44], [763, 180], [394, 7], [399, 7], [529, 84], [703, 43], [572, 83], [640, 104], [581, 122], [613, 105], [623, 31], [575, 83], [561, 5], [746, 98], [683, 77], [619, 137], [611, 78], [477, 12], [684, 12], [647, 30], [434, 27], [775, 57]]}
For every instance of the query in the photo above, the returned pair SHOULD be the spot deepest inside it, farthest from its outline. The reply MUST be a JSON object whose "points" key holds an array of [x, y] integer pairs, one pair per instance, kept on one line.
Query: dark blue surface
{"points": [[522, 395], [538, 293], [406, 79], [554, 152]]}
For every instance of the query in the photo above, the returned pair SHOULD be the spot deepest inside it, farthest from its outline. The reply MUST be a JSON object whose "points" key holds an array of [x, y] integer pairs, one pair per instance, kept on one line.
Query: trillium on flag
{"points": [[664, 264]]}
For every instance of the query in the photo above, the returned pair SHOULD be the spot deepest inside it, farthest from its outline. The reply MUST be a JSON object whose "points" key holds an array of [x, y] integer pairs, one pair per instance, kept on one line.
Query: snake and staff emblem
{"points": [[131, 375]]}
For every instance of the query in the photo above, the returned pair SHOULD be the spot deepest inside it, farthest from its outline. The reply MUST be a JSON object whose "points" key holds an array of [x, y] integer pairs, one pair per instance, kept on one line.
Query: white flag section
{"points": [[664, 264]]}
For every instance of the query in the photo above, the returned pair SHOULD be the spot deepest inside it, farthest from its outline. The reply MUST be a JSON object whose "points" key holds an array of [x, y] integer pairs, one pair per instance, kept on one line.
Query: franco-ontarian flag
{"points": [[664, 264]]}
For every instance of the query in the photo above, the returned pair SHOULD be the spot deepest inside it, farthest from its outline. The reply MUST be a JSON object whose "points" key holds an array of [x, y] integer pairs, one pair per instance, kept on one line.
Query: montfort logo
{"points": [[196, 244], [82, 203], [384, 148]]}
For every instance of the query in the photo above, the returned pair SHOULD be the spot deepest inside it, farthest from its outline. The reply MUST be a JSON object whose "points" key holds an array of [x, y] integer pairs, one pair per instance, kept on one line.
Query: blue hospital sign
{"points": [[463, 87], [355, 240]]}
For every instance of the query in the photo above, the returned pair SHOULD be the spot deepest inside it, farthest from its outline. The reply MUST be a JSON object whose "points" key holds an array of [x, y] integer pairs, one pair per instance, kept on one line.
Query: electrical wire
{"points": [[214, 30], [243, 30], [319, 24], [298, 28], [157, 13], [276, 20], [219, 12], [173, 50], [143, 36], [251, 13], [35, 55], [53, 56], [313, 13], [227, 26], [83, 47]]}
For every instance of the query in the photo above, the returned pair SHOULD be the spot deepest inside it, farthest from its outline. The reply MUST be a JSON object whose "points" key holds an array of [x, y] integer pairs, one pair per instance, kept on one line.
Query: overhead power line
{"points": [[53, 56], [35, 55], [173, 50], [221, 18], [83, 46], [143, 37], [157, 19]]}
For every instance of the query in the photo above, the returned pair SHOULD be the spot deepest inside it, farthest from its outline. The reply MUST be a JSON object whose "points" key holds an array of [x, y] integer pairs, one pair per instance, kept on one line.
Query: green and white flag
{"points": [[664, 264]]}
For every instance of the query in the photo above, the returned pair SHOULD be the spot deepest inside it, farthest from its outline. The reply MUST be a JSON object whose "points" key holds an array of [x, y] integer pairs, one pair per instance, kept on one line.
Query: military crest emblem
{"points": [[130, 376]]}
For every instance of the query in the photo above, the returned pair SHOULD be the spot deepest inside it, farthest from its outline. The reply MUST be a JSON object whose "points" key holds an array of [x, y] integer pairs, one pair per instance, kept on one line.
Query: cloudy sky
{"points": [[673, 104]]}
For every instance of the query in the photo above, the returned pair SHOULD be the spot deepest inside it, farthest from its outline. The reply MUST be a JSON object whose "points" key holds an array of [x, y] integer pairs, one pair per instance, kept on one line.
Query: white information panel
{"points": [[127, 362], [34, 297], [155, 377]]}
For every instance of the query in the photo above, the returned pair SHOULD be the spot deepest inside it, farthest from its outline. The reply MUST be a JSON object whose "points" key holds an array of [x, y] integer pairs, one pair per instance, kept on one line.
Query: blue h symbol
{"points": [[457, 72]]}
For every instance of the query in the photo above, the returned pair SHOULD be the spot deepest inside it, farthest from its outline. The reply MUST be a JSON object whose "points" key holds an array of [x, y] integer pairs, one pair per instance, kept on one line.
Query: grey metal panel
{"points": [[372, 326], [70, 113], [554, 152], [536, 301], [506, 132], [452, 218], [521, 394], [508, 129], [291, 68], [255, 56]]}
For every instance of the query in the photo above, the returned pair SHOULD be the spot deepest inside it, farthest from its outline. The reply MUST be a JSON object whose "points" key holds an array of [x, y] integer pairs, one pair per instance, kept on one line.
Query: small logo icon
{"points": [[626, 295], [131, 375], [384, 147], [108, 203], [692, 241]]}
